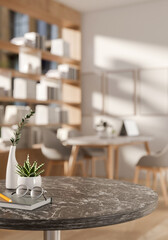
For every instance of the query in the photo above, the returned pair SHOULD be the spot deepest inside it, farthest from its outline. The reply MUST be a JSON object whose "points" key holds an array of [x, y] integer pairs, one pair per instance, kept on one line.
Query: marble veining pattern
{"points": [[82, 203]]}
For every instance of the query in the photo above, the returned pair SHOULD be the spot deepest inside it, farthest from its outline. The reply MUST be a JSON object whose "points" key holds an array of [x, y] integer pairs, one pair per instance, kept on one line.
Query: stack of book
{"points": [[68, 72], [53, 73], [7, 200], [19, 41], [53, 93], [50, 115]]}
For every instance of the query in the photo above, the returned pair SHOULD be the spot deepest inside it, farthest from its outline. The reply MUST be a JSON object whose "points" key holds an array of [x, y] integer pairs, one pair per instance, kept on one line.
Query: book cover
{"points": [[25, 203]]}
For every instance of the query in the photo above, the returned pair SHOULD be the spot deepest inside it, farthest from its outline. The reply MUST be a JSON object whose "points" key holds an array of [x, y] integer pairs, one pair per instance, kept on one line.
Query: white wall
{"points": [[129, 38]]}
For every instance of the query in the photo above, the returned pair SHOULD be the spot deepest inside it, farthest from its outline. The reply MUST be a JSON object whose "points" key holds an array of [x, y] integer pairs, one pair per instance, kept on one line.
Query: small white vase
{"points": [[11, 174], [30, 182]]}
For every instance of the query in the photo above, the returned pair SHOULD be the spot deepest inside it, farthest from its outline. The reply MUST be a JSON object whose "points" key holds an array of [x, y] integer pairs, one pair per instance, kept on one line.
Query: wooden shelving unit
{"points": [[63, 17]]}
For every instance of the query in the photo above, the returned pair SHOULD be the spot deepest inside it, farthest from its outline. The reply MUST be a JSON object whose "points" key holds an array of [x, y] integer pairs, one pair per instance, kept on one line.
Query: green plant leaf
{"points": [[21, 124], [39, 167], [39, 173]]}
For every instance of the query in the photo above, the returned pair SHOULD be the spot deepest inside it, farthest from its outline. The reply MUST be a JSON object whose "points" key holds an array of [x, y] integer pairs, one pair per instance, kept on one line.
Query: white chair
{"points": [[156, 164]]}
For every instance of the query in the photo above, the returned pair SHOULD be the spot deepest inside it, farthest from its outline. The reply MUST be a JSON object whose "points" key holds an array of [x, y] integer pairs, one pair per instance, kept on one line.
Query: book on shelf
{"points": [[53, 73], [25, 203]]}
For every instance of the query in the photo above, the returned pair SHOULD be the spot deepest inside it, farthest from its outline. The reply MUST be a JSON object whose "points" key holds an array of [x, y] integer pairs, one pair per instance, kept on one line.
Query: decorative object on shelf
{"points": [[29, 175], [104, 129], [11, 175]]}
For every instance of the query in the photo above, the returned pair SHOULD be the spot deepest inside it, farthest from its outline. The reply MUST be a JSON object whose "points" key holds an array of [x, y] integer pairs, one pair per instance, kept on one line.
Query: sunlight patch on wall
{"points": [[112, 53]]}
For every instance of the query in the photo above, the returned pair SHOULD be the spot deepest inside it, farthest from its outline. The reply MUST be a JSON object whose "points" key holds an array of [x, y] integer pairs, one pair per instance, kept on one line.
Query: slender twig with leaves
{"points": [[28, 170], [17, 133]]}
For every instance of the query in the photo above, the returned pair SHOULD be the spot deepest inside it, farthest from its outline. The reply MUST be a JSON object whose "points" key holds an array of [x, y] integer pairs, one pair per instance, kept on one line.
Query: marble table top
{"points": [[82, 203], [96, 140]]}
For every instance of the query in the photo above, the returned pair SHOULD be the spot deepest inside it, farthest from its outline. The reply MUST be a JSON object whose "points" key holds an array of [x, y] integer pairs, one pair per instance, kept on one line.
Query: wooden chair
{"points": [[91, 156], [154, 164], [56, 153], [87, 155]]}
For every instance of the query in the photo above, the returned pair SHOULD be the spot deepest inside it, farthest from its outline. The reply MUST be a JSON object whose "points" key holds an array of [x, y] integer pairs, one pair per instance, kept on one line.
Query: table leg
{"points": [[52, 235], [110, 170], [116, 163], [72, 159]]}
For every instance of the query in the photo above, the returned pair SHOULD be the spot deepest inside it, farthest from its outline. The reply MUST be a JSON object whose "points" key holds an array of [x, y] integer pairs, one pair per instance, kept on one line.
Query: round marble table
{"points": [[81, 203]]}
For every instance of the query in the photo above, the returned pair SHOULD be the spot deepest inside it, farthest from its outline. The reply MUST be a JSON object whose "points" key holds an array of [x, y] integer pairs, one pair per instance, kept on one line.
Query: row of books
{"points": [[50, 115], [44, 114], [24, 88]]}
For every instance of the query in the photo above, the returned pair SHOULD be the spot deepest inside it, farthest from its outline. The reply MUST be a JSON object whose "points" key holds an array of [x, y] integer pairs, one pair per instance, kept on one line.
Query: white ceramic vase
{"points": [[11, 174], [30, 182]]}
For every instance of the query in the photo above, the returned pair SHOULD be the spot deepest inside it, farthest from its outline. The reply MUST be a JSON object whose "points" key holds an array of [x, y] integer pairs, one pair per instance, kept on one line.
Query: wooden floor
{"points": [[152, 227]]}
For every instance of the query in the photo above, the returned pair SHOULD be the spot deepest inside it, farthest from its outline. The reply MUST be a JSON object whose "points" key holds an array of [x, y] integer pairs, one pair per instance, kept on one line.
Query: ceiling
{"points": [[96, 5]]}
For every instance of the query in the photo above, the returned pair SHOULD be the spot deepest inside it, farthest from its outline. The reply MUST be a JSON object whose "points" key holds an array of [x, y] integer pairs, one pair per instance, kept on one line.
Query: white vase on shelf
{"points": [[11, 174]]}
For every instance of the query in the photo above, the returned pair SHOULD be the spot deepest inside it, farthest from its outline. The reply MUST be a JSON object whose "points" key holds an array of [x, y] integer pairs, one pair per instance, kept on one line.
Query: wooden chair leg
{"points": [[49, 167], [148, 183], [93, 168], [116, 163], [163, 186], [87, 166], [136, 175], [154, 180], [65, 168], [80, 163]]}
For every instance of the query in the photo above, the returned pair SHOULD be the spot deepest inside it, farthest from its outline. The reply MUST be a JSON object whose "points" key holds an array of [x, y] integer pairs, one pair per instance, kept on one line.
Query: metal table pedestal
{"points": [[52, 235]]}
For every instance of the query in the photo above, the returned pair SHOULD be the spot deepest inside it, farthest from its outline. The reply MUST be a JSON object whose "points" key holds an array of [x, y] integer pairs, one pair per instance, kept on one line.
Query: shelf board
{"points": [[17, 74], [36, 77], [46, 55], [43, 125], [34, 101]]}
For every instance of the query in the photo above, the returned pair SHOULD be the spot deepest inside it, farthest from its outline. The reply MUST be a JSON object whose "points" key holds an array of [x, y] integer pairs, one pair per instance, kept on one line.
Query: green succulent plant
{"points": [[28, 170], [17, 133]]}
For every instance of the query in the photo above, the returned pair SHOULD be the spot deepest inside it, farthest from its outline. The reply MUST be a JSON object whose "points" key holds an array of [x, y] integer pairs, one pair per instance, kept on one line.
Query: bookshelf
{"points": [[71, 89]]}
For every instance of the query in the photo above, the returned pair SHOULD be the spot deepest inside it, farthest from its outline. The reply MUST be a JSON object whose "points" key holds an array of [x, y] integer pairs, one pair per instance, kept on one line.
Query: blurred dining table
{"points": [[112, 144]]}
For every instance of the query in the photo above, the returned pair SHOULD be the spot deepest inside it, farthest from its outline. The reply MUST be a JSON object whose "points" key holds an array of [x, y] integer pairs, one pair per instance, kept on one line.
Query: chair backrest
{"points": [[159, 159], [63, 133], [52, 147]]}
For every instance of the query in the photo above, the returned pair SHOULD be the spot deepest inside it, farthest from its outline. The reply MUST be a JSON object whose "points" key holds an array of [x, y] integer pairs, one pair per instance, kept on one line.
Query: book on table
{"points": [[25, 203]]}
